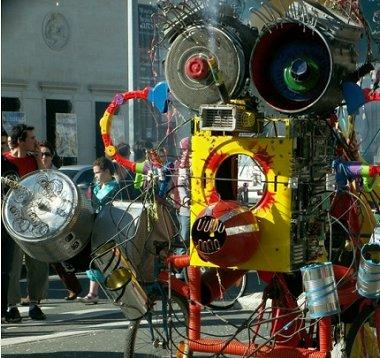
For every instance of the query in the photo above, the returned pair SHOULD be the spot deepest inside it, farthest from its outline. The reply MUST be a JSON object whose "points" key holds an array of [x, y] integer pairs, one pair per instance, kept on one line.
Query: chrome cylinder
{"points": [[320, 290], [368, 283], [48, 216]]}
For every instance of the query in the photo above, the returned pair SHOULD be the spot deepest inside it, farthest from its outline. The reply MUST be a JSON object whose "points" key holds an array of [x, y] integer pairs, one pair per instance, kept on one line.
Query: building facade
{"points": [[67, 57]]}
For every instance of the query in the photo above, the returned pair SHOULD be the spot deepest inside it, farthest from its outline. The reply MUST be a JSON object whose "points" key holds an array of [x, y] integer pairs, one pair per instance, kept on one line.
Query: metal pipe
{"points": [[132, 64]]}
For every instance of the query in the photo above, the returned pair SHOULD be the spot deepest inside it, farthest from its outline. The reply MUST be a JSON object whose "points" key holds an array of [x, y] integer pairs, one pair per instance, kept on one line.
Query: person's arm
{"points": [[38, 156], [183, 186]]}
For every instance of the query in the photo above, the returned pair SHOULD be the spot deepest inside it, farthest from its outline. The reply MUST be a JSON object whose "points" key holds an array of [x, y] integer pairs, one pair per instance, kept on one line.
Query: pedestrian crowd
{"points": [[21, 154]]}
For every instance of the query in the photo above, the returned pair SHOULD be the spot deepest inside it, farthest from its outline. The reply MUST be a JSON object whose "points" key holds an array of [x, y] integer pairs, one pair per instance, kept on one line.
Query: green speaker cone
{"points": [[301, 75]]}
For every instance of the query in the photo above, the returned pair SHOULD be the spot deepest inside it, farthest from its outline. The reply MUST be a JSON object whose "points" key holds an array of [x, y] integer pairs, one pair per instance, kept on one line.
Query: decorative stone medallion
{"points": [[55, 31]]}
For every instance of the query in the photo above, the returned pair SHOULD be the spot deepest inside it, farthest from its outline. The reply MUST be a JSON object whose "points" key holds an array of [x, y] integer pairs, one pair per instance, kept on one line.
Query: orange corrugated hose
{"points": [[198, 344], [281, 309], [244, 349], [194, 274], [179, 261], [325, 334], [177, 285], [354, 219]]}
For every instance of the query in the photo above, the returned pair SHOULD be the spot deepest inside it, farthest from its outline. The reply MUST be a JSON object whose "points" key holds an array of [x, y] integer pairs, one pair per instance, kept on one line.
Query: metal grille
{"points": [[225, 118], [220, 118]]}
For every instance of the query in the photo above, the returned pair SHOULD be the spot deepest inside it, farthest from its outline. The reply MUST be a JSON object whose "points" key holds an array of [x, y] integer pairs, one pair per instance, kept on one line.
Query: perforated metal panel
{"points": [[225, 118]]}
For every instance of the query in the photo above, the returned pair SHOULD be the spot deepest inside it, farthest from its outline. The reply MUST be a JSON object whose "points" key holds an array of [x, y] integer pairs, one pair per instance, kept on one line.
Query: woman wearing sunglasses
{"points": [[47, 154], [65, 272]]}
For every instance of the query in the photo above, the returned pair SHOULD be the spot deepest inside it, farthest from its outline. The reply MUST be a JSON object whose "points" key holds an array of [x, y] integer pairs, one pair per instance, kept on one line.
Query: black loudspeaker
{"points": [[299, 62]]}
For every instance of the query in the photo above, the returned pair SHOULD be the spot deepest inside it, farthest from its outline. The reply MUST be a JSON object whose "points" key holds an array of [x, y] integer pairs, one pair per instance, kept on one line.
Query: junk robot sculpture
{"points": [[269, 93]]}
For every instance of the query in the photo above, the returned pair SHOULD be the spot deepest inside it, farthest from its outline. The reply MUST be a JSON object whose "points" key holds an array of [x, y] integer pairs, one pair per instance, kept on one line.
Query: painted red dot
{"points": [[196, 68]]}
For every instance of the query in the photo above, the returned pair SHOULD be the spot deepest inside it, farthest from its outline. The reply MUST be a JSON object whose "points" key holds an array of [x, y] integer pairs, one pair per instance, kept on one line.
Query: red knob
{"points": [[196, 68], [374, 170]]}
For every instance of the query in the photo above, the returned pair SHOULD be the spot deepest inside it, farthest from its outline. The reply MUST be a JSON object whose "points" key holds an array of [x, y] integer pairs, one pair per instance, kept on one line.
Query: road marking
{"points": [[67, 316], [64, 316], [84, 331]]}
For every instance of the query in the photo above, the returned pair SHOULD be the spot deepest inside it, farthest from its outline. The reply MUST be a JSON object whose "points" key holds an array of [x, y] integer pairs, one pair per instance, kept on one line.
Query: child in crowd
{"points": [[104, 191]]}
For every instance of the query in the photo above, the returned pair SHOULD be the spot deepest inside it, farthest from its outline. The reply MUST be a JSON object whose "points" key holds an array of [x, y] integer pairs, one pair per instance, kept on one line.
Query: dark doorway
{"points": [[10, 113], [54, 106], [10, 104]]}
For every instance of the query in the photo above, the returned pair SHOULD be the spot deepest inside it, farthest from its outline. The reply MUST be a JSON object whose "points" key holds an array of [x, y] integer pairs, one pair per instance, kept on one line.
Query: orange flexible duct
{"points": [[354, 218], [347, 292], [179, 261], [194, 308], [245, 349], [259, 319], [325, 335], [177, 285], [234, 347], [211, 287]]}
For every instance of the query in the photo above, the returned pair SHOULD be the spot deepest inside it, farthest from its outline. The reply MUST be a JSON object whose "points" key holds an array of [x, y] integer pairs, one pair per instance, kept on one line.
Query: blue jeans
{"points": [[185, 234]]}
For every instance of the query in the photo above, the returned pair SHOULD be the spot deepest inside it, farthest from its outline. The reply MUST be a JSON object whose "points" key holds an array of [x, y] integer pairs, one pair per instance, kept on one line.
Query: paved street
{"points": [[73, 329]]}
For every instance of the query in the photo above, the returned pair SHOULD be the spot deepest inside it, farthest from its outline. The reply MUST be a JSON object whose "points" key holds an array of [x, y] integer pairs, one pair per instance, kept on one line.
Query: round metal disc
{"points": [[205, 42], [41, 207]]}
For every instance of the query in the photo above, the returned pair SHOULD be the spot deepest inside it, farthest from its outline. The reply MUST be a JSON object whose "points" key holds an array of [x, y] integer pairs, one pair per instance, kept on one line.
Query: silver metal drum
{"points": [[320, 289], [48, 216], [368, 283]]}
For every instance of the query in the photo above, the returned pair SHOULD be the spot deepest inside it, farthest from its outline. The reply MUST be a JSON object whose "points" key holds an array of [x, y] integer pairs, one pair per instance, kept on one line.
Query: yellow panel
{"points": [[274, 249]]}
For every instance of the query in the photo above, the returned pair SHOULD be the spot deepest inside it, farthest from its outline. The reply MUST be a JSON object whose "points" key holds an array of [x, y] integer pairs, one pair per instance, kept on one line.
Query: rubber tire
{"points": [[231, 295], [134, 330], [359, 321]]}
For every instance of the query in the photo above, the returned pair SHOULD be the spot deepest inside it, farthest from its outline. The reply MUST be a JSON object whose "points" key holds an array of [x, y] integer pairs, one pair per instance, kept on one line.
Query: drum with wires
{"points": [[48, 216]]}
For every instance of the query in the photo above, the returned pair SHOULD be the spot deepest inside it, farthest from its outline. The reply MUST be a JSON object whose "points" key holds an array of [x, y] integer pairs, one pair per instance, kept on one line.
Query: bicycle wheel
{"points": [[230, 295], [162, 332], [362, 340]]}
